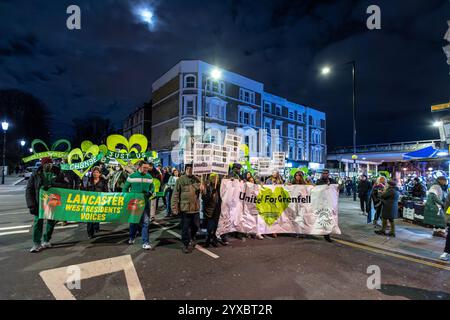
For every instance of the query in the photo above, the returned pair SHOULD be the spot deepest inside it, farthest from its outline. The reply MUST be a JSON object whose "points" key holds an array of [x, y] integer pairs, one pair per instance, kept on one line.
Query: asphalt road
{"points": [[274, 268]]}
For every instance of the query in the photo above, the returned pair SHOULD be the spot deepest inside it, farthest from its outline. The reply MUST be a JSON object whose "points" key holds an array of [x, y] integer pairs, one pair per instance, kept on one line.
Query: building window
{"points": [[279, 127], [300, 133], [291, 131], [189, 81], [291, 150], [291, 115], [189, 105], [216, 86], [246, 95], [278, 110], [215, 108], [299, 117], [268, 124], [267, 107], [300, 152], [247, 115]]}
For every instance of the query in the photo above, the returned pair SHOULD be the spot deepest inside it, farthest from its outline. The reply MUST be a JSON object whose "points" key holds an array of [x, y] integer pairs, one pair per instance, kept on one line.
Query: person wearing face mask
{"points": [[46, 176]]}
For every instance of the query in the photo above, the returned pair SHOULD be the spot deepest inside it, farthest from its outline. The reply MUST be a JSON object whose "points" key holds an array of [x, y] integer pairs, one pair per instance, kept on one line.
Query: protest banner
{"points": [[188, 156], [85, 206], [252, 208], [51, 153], [220, 162], [88, 154], [232, 142], [202, 158]]}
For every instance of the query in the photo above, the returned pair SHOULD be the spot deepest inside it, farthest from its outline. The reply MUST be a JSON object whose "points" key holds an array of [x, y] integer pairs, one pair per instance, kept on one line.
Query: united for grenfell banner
{"points": [[85, 206], [252, 208]]}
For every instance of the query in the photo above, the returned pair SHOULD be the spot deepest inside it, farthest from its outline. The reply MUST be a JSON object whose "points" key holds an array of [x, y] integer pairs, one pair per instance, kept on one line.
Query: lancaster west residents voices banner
{"points": [[85, 206], [252, 208]]}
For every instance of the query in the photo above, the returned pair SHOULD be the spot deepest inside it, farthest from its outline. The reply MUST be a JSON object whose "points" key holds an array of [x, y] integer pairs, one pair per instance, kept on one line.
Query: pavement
{"points": [[411, 239], [283, 268]]}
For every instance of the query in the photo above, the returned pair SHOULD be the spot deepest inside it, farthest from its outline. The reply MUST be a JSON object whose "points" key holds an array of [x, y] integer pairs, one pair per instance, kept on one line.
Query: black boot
{"points": [[328, 238]]}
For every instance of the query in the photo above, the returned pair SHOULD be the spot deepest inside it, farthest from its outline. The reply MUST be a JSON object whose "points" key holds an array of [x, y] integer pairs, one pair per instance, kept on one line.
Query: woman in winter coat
{"points": [[389, 212], [96, 183], [433, 214], [377, 191]]}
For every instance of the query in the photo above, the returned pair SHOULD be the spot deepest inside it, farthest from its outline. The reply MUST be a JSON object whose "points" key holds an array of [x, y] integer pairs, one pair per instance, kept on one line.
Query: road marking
{"points": [[56, 279], [381, 251], [15, 227], [68, 226], [198, 247], [12, 213], [13, 232]]}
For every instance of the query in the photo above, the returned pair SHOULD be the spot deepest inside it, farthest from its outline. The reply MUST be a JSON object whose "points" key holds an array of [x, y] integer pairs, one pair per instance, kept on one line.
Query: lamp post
{"points": [[216, 74], [327, 70], [5, 126]]}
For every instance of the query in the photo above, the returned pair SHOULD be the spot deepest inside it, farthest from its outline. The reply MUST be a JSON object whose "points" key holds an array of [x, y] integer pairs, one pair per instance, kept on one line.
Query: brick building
{"points": [[139, 121], [232, 102]]}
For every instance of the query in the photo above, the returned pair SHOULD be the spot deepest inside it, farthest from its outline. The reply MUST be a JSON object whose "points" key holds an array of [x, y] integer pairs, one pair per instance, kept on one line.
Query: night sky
{"points": [[108, 66]]}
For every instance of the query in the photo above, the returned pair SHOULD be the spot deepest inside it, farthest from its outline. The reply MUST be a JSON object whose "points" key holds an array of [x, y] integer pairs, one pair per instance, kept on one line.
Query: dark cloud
{"points": [[108, 66]]}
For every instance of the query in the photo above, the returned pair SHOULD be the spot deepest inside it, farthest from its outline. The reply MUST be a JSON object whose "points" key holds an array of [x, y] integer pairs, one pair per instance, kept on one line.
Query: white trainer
{"points": [[36, 248], [147, 246], [46, 245], [130, 242], [444, 256]]}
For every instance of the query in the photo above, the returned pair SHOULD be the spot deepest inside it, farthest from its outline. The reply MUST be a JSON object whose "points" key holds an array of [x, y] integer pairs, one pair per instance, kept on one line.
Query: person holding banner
{"points": [[212, 204], [236, 172], [170, 186], [186, 202], [325, 179], [141, 182], [275, 178], [46, 177], [96, 183], [299, 179]]}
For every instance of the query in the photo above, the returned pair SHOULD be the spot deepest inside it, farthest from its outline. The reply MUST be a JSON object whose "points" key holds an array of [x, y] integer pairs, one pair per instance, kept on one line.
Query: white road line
{"points": [[13, 232], [16, 227], [56, 279], [13, 213], [68, 226], [198, 247]]}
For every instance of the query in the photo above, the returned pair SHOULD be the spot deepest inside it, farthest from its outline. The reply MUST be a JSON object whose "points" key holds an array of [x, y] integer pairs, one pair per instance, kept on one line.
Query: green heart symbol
{"points": [[88, 150], [118, 143], [270, 209]]}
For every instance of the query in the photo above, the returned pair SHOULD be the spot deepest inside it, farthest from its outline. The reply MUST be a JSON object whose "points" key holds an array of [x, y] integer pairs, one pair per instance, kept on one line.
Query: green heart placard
{"points": [[52, 153], [123, 149], [89, 154]]}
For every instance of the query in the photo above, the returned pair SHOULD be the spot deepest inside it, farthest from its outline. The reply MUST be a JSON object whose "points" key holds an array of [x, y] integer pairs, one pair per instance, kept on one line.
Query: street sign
{"points": [[440, 107]]}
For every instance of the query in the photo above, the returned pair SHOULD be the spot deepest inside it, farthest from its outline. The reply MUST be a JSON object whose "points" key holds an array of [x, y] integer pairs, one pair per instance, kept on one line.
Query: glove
{"points": [[34, 211]]}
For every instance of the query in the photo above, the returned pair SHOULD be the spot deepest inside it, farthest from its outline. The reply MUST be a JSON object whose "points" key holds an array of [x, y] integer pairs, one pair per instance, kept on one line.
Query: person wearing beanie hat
{"points": [[46, 176], [389, 212]]}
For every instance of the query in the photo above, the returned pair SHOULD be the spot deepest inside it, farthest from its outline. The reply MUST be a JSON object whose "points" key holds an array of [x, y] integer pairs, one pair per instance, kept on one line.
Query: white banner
{"points": [[252, 208]]}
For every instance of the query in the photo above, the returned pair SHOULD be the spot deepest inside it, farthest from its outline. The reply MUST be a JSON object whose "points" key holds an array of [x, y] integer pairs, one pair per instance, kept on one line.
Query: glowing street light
{"points": [[437, 124], [216, 74], [31, 150], [22, 143], [5, 126]]}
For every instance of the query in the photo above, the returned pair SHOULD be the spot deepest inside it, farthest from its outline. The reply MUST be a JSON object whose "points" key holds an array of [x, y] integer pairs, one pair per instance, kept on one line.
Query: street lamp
{"points": [[5, 126], [22, 143], [215, 75], [327, 70]]}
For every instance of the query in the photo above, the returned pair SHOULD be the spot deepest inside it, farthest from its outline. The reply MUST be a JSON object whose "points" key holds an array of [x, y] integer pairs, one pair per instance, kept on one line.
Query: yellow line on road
{"points": [[387, 253]]}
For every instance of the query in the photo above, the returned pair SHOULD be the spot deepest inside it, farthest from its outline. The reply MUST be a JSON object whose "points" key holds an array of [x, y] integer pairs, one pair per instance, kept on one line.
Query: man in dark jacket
{"points": [[46, 176], [325, 179], [211, 208], [364, 192], [418, 190], [186, 202], [389, 211]]}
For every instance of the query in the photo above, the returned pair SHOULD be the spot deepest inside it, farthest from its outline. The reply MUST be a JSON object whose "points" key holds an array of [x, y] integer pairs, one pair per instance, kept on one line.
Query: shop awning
{"points": [[428, 152]]}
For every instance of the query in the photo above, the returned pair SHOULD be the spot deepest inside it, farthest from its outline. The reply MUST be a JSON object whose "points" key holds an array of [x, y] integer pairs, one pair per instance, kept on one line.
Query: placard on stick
{"points": [[265, 167], [278, 160], [232, 143], [220, 161], [202, 158]]}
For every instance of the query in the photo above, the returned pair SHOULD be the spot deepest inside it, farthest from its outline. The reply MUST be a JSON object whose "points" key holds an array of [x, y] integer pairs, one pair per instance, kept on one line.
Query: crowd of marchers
{"points": [[186, 195]]}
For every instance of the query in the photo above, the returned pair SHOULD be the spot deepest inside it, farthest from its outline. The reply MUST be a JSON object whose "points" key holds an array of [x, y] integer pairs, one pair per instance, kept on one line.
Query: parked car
{"points": [[29, 171]]}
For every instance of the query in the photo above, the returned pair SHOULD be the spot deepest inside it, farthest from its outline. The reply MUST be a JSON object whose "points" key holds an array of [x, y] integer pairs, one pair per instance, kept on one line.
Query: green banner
{"points": [[129, 156], [83, 164], [45, 154], [84, 206]]}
